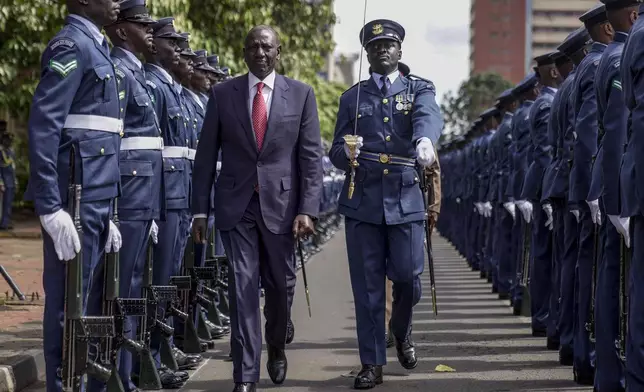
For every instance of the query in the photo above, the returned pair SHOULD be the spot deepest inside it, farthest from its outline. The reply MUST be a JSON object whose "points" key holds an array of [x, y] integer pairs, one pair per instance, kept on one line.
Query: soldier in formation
{"points": [[573, 176], [126, 286]]}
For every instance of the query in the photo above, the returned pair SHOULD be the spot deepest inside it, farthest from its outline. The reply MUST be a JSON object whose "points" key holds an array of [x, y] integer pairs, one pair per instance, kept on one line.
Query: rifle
{"points": [[78, 330], [214, 291], [624, 271], [524, 277], [425, 189], [590, 324]]}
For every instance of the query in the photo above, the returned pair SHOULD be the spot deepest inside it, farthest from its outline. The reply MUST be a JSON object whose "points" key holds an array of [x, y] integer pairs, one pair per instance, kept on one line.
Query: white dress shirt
{"points": [[267, 93]]}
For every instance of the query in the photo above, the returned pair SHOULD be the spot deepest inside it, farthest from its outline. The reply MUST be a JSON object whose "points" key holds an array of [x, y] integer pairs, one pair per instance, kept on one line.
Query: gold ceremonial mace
{"points": [[352, 140]]}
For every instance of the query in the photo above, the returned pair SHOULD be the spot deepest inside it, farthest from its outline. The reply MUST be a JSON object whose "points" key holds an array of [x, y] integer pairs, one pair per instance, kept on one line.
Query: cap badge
{"points": [[377, 29]]}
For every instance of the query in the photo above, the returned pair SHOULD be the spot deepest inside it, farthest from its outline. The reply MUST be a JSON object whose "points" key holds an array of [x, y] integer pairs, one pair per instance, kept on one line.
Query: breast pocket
{"points": [[175, 181], [142, 102], [177, 125], [411, 197], [136, 184], [365, 115], [105, 90], [99, 161]]}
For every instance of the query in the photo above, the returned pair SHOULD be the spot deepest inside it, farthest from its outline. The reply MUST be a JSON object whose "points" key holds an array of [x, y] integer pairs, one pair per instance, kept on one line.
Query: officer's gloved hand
{"points": [[479, 207], [595, 212], [576, 214], [458, 200], [218, 166], [62, 231], [488, 209], [358, 147], [547, 208], [526, 210], [114, 239], [622, 226], [154, 232], [425, 152], [511, 208]]}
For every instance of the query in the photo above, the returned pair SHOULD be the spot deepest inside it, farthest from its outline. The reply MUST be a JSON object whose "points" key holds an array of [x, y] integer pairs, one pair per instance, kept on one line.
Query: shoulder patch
{"points": [[62, 42], [617, 84], [119, 73], [596, 63], [151, 84], [544, 106], [63, 69], [617, 64]]}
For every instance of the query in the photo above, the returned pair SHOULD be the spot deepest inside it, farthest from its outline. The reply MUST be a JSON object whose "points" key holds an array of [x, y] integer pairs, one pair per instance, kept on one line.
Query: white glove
{"points": [[547, 208], [114, 240], [576, 214], [595, 213], [526, 210], [154, 232], [622, 225], [488, 209], [358, 146], [192, 220], [479, 207], [458, 200], [511, 208], [218, 165], [425, 152], [60, 228]]}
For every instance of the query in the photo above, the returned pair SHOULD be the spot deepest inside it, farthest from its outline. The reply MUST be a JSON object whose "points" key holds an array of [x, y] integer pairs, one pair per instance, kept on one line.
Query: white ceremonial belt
{"points": [[175, 152], [191, 154], [94, 123], [142, 143]]}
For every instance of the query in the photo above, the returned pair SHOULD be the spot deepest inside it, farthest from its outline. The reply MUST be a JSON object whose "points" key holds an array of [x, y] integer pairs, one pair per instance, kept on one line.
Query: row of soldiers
{"points": [[113, 133], [546, 185]]}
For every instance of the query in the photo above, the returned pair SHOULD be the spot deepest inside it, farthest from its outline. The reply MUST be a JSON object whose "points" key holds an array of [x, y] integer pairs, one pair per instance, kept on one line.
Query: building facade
{"points": [[505, 35]]}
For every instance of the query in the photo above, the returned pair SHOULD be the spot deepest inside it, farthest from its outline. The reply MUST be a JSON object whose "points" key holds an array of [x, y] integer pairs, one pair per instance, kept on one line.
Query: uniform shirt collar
{"points": [[96, 33], [269, 80], [195, 98], [392, 78], [165, 73], [620, 36], [132, 58]]}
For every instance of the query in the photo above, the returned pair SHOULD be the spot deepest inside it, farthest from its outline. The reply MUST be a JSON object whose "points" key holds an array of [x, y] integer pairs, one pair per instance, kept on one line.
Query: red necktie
{"points": [[260, 118]]}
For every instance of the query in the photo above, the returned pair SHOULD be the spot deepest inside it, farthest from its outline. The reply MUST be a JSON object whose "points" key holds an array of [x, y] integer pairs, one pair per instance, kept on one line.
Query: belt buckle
{"points": [[384, 158], [161, 143]]}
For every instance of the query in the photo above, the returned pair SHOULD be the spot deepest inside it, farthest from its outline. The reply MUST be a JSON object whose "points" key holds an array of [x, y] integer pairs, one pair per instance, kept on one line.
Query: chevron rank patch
{"points": [[121, 95], [617, 84], [63, 69]]}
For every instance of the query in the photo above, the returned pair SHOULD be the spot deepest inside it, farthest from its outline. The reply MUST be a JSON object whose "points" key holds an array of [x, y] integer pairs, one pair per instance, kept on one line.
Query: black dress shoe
{"points": [[552, 344], [216, 331], [170, 379], [186, 361], [368, 377], [539, 333], [406, 353], [244, 387], [290, 331], [586, 377], [277, 364], [504, 296], [516, 308], [566, 356]]}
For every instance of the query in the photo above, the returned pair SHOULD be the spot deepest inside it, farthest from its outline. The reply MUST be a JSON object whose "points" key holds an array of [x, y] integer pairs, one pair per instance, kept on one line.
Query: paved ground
{"points": [[475, 334]]}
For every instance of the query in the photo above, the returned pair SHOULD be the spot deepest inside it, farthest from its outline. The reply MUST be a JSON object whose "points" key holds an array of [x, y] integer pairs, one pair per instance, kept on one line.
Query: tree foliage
{"points": [[475, 95]]}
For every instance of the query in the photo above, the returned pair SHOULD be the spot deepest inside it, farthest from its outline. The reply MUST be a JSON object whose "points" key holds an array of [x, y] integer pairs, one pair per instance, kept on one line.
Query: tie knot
{"points": [[383, 79], [260, 86]]}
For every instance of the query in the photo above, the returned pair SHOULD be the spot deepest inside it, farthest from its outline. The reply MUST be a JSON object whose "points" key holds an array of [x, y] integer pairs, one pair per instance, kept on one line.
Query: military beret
{"points": [[529, 82], [381, 29], [575, 41], [594, 16], [164, 28], [618, 4], [134, 11], [545, 59]]}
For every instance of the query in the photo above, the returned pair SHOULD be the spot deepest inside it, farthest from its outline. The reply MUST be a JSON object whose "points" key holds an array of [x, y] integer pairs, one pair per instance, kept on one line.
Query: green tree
{"points": [[474, 95]]}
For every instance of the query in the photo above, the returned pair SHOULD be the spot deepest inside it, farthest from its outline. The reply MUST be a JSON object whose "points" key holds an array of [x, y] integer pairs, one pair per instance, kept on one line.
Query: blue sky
{"points": [[436, 44]]}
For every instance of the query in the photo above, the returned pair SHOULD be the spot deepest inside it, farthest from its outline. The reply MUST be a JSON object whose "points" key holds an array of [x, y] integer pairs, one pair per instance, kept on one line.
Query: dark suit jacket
{"points": [[288, 169]]}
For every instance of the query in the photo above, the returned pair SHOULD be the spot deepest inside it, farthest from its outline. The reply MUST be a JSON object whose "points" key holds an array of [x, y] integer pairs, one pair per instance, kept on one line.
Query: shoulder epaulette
{"points": [[350, 88]]}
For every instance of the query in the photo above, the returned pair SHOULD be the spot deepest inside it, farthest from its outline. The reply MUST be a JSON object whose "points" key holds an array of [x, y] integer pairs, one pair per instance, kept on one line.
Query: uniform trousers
{"points": [[567, 306], [558, 235], [95, 217], [393, 251], [503, 249], [635, 335], [540, 270]]}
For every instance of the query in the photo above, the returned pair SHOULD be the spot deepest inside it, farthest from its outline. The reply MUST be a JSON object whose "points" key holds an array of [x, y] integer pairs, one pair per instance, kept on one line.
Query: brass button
{"points": [[385, 101], [172, 167], [134, 172], [386, 119], [186, 141], [385, 172], [121, 109], [388, 138], [121, 133], [416, 179], [102, 151], [406, 113], [359, 115]]}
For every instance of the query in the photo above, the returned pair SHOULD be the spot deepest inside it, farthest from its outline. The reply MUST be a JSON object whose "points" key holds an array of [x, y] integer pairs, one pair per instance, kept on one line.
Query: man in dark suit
{"points": [[268, 191]]}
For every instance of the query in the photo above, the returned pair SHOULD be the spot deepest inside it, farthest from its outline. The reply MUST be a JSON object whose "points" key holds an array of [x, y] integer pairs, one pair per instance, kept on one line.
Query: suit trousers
{"points": [[254, 251], [393, 251], [95, 223]]}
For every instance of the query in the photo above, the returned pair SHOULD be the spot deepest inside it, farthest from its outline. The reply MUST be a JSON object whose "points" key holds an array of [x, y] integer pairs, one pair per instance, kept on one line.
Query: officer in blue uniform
{"points": [[167, 105], [75, 104], [612, 119], [141, 201], [491, 121], [541, 242], [387, 205], [585, 131], [525, 92], [632, 176], [505, 211], [8, 180]]}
